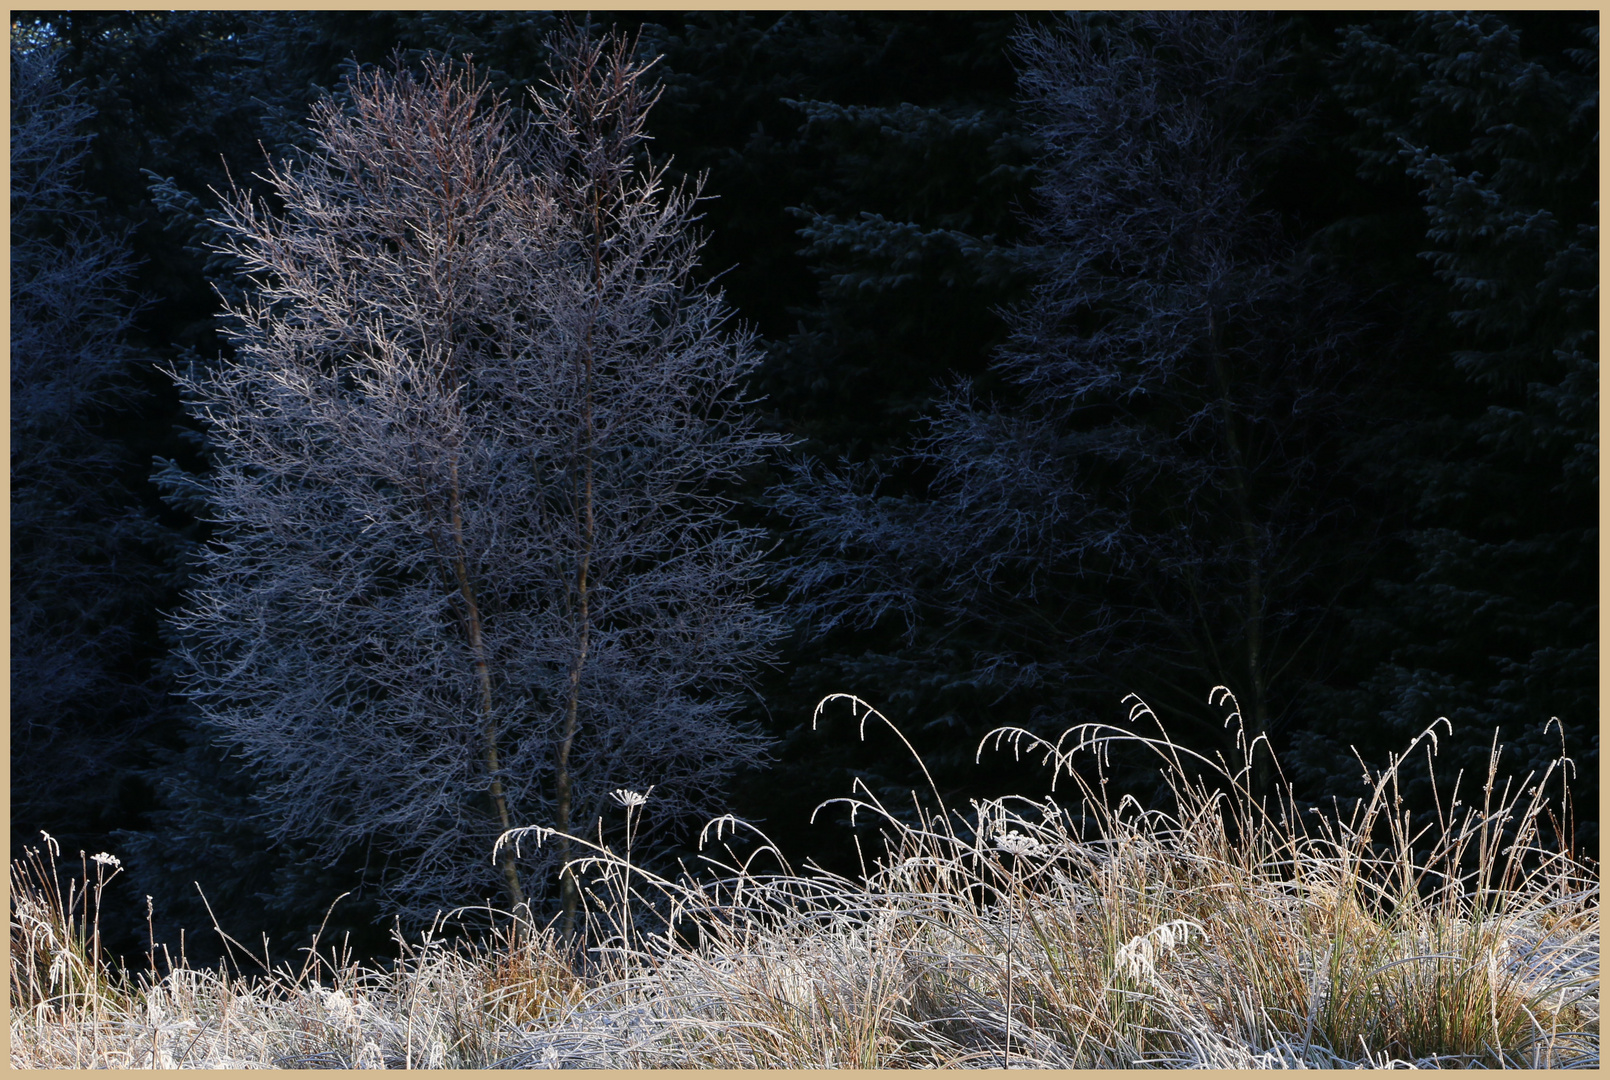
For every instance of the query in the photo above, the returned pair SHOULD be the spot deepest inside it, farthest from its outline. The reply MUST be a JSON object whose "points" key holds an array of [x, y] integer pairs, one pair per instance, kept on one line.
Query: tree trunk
{"points": [[472, 620], [569, 890], [567, 883]]}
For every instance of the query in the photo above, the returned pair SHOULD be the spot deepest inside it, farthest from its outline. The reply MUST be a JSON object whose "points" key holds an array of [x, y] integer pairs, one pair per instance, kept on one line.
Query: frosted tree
{"points": [[473, 566], [1150, 502]]}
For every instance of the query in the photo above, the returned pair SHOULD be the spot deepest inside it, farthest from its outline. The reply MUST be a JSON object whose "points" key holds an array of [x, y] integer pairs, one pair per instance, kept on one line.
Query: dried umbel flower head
{"points": [[1014, 842]]}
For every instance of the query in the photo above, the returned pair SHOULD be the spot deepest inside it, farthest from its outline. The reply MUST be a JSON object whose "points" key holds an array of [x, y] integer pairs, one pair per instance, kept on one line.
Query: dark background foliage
{"points": [[872, 179]]}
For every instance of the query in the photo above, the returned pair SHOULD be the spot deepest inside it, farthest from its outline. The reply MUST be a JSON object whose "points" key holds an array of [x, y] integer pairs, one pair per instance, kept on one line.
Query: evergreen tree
{"points": [[86, 560], [893, 151], [870, 169], [1154, 502], [1492, 618]]}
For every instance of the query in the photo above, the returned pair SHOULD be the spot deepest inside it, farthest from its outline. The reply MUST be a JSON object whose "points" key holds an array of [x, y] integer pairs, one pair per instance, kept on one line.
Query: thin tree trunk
{"points": [[567, 882], [568, 888], [511, 875]]}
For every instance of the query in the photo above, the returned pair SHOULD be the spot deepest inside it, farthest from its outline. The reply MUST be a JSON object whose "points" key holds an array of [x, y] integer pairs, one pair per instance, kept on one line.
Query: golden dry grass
{"points": [[1225, 934]]}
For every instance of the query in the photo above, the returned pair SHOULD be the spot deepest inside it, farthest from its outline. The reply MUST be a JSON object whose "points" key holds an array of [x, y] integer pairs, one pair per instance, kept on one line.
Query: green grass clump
{"points": [[1230, 933]]}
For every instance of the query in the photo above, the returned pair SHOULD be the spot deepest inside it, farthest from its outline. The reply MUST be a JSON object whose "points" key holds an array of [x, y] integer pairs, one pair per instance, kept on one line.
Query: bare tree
{"points": [[473, 566], [1149, 505]]}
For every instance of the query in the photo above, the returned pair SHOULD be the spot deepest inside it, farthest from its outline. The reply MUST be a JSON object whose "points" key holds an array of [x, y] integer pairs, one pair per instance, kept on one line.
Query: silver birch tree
{"points": [[473, 566]]}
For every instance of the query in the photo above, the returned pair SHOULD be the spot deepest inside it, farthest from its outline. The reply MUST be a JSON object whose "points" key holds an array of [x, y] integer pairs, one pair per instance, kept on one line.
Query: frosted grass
{"points": [[1073, 932]]}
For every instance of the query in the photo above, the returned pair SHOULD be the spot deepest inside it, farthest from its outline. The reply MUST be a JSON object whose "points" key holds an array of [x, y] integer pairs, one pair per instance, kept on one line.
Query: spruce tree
{"points": [[1491, 619], [1152, 500], [86, 557]]}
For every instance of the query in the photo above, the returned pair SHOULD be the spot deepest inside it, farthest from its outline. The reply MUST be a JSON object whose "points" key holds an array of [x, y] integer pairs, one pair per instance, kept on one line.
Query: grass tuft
{"points": [[1232, 932]]}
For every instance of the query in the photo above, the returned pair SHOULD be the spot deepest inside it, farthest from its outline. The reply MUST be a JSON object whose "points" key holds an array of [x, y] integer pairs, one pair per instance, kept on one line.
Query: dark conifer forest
{"points": [[1029, 362]]}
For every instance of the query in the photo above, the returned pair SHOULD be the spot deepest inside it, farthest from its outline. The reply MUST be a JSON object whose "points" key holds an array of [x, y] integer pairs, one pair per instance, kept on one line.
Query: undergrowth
{"points": [[1231, 932]]}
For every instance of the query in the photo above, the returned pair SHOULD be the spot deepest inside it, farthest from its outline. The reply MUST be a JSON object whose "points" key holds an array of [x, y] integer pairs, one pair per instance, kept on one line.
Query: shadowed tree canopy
{"points": [[1156, 499], [87, 559]]}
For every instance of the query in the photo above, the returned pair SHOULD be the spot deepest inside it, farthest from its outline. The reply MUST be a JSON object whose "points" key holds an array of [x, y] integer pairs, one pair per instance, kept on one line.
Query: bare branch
{"points": [[470, 551]]}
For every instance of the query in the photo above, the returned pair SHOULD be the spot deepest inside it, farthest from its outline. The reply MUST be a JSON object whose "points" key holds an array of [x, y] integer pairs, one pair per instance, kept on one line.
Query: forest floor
{"points": [[1019, 935]]}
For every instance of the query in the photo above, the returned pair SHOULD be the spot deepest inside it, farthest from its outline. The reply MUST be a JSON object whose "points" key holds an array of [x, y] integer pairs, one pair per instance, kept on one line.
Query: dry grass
{"points": [[1018, 934]]}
